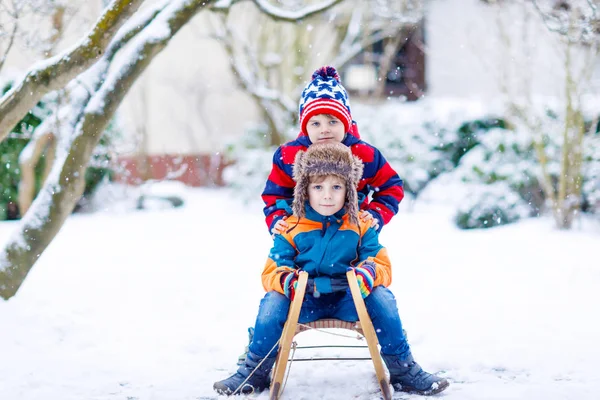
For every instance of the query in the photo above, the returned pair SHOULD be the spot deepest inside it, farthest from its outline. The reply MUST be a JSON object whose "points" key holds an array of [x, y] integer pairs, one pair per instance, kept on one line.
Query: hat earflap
{"points": [[351, 189], [302, 179]]}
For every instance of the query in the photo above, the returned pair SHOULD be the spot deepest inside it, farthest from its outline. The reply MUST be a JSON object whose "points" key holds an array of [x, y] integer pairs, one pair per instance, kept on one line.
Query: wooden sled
{"points": [[365, 327]]}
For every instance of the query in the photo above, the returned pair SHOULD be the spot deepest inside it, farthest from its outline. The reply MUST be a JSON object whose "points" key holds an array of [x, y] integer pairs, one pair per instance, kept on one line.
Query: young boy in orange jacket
{"points": [[325, 239]]}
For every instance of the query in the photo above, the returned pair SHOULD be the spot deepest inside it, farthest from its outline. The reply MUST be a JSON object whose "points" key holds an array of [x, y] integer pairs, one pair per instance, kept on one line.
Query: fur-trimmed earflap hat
{"points": [[323, 159]]}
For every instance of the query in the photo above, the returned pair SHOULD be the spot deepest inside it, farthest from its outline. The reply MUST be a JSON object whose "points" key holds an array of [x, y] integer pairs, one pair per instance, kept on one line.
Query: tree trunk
{"points": [[41, 141], [66, 182], [58, 28], [28, 160], [44, 137], [568, 199]]}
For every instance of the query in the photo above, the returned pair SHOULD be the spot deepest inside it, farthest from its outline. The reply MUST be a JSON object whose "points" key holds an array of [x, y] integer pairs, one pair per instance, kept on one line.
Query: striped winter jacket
{"points": [[325, 247], [378, 177]]}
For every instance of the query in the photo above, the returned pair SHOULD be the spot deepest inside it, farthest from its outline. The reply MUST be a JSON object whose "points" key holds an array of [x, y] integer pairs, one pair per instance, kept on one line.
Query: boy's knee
{"points": [[381, 300], [382, 294], [274, 306]]}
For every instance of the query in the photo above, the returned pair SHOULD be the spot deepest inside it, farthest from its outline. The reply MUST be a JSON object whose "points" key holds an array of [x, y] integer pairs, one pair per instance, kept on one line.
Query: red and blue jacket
{"points": [[379, 178], [325, 246]]}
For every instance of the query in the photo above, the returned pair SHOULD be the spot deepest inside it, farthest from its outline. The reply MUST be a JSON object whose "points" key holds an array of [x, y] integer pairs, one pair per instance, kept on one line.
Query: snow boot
{"points": [[408, 376], [242, 357], [258, 377]]}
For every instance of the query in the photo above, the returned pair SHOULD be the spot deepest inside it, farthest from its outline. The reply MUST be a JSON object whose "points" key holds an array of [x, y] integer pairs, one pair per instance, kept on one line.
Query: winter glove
{"points": [[289, 281], [365, 275]]}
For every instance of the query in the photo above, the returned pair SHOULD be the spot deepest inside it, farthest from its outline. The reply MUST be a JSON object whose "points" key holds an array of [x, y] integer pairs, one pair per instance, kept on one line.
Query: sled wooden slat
{"points": [[330, 324], [370, 335], [364, 326], [289, 330]]}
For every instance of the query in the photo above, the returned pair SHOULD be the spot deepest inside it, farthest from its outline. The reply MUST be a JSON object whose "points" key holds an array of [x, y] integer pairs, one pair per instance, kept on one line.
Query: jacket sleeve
{"points": [[389, 190], [371, 250], [281, 259], [279, 185]]}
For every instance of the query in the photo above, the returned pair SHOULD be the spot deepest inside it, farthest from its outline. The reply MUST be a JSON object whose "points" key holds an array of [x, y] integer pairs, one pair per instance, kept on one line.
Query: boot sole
{"points": [[222, 390], [441, 386], [246, 389]]}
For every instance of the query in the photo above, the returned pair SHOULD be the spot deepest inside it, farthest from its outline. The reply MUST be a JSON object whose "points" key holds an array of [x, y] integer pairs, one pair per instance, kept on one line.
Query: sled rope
{"points": [[254, 370], [294, 345]]}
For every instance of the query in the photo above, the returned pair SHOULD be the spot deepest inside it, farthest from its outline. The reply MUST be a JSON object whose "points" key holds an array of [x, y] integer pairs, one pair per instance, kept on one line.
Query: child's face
{"points": [[323, 128], [327, 195]]}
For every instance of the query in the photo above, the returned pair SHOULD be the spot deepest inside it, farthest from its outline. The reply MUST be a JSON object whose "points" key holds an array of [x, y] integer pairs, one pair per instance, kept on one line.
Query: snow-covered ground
{"points": [[156, 304]]}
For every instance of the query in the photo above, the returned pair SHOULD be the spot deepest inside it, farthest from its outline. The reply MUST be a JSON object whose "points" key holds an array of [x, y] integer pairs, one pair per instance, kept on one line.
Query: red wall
{"points": [[193, 170]]}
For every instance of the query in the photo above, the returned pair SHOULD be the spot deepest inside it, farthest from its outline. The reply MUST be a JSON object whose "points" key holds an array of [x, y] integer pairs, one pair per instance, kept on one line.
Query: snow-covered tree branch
{"points": [[278, 108], [274, 71], [56, 72], [94, 96], [86, 115], [278, 13]]}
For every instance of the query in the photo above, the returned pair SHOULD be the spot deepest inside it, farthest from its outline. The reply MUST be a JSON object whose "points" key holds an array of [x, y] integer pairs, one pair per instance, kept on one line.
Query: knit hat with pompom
{"points": [[325, 95]]}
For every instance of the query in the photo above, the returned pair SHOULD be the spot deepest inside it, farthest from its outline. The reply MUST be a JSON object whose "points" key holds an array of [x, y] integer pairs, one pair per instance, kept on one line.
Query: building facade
{"points": [[187, 106]]}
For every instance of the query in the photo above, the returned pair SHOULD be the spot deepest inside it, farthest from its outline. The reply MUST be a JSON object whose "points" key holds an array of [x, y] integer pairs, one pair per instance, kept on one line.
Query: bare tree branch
{"points": [[58, 28], [56, 72], [385, 64], [353, 31], [573, 24], [342, 59], [44, 136], [292, 16], [95, 97], [94, 109], [11, 41], [272, 101], [278, 13], [65, 183]]}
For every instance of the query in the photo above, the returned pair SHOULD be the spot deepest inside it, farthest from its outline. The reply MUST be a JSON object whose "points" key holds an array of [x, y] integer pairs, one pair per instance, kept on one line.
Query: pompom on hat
{"points": [[324, 159], [325, 95]]}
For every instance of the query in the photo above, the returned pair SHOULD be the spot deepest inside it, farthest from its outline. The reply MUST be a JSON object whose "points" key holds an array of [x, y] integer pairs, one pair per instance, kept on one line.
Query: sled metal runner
{"points": [[291, 327]]}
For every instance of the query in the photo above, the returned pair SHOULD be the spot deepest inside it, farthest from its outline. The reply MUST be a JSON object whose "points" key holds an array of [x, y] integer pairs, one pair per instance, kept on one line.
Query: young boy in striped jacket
{"points": [[324, 115]]}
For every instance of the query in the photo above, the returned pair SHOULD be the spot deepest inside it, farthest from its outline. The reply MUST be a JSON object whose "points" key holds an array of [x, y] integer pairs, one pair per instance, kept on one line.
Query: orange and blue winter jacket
{"points": [[325, 247], [378, 177]]}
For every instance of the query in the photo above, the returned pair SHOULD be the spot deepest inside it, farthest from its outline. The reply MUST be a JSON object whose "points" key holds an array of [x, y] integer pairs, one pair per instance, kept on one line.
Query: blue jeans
{"points": [[381, 306]]}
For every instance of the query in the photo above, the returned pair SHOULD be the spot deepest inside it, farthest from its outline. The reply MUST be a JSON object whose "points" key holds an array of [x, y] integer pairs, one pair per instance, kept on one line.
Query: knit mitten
{"points": [[365, 275], [289, 282]]}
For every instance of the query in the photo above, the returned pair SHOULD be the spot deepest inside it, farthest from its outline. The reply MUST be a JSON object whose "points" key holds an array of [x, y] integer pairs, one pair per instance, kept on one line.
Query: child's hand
{"points": [[366, 216], [365, 275], [280, 227], [289, 282]]}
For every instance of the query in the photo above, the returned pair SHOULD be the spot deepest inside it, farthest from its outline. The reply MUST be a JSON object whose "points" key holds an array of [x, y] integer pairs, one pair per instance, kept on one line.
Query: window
{"points": [[406, 73]]}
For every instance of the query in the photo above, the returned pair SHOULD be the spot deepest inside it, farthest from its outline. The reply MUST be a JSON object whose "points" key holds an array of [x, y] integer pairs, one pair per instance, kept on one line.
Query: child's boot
{"points": [[242, 357], [408, 376], [258, 377]]}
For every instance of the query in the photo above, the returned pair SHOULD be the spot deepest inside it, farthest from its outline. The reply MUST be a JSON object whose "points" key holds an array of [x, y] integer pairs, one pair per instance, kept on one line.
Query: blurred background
{"points": [[489, 105], [143, 132]]}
